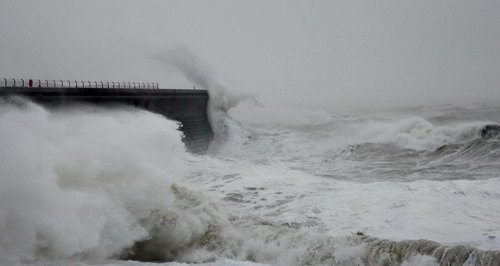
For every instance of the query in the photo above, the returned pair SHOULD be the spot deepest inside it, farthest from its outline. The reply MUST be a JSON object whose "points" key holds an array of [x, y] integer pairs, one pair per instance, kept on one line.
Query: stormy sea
{"points": [[417, 185]]}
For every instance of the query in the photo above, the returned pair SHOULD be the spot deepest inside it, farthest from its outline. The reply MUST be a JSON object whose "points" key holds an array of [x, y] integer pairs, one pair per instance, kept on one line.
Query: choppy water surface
{"points": [[412, 186]]}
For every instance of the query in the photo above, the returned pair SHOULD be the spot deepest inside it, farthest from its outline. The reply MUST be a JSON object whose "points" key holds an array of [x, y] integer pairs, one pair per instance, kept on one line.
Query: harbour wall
{"points": [[189, 107]]}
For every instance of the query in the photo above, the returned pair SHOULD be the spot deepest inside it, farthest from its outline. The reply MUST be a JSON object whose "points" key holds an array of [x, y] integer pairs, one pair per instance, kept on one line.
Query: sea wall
{"points": [[189, 107]]}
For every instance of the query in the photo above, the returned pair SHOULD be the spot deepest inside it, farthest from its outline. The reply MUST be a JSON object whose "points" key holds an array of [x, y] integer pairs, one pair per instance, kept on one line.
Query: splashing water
{"points": [[198, 72], [103, 186]]}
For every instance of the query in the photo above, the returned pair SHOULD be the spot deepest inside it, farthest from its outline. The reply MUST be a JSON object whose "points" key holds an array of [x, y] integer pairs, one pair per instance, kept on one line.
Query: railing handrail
{"points": [[88, 84]]}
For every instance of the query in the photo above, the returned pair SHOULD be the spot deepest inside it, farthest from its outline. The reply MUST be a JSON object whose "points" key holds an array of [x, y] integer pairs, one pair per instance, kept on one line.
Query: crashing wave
{"points": [[490, 131]]}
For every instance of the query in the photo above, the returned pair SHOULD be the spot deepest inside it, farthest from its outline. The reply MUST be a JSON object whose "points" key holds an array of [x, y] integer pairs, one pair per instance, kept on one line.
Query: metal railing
{"points": [[45, 83]]}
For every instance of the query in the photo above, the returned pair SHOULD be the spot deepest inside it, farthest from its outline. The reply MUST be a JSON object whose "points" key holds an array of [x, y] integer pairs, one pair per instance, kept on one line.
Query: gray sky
{"points": [[317, 54]]}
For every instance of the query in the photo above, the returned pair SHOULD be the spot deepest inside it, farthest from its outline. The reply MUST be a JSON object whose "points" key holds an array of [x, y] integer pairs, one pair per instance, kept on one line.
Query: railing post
{"points": [[90, 85], [47, 83], [134, 85], [83, 83], [22, 80], [129, 85], [5, 82], [76, 84], [95, 84], [14, 82], [39, 83], [107, 84]]}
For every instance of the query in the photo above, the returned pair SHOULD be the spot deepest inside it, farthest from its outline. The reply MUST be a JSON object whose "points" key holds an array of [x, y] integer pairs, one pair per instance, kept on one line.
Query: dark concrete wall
{"points": [[186, 106]]}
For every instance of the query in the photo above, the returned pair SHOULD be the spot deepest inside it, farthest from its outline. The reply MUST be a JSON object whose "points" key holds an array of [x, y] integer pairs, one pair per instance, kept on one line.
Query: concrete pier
{"points": [[189, 107]]}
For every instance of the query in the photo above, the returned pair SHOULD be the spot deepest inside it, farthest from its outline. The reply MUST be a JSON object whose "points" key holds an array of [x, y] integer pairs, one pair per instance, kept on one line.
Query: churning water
{"points": [[278, 187]]}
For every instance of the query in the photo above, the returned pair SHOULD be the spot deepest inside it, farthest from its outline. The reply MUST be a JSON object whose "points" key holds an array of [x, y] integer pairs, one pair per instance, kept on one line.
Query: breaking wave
{"points": [[91, 185], [86, 182], [419, 134]]}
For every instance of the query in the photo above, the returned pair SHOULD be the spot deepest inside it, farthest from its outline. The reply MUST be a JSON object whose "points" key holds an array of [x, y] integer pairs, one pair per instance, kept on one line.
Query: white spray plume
{"points": [[194, 69], [87, 184], [198, 72]]}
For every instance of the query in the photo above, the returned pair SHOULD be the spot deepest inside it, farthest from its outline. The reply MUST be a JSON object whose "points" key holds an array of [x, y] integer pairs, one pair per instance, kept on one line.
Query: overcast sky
{"points": [[318, 54]]}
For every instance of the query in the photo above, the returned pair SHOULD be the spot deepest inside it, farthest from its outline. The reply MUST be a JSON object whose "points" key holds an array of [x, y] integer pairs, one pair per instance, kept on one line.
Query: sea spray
{"points": [[198, 72], [84, 182], [98, 184]]}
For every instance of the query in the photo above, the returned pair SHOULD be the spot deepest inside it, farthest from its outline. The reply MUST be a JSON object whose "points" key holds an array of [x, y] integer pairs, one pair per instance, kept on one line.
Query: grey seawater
{"points": [[403, 145], [426, 173], [412, 186]]}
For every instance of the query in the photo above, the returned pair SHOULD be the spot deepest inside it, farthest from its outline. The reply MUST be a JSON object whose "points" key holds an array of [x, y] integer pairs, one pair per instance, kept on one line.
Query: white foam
{"points": [[417, 133], [89, 185], [81, 182], [450, 212]]}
